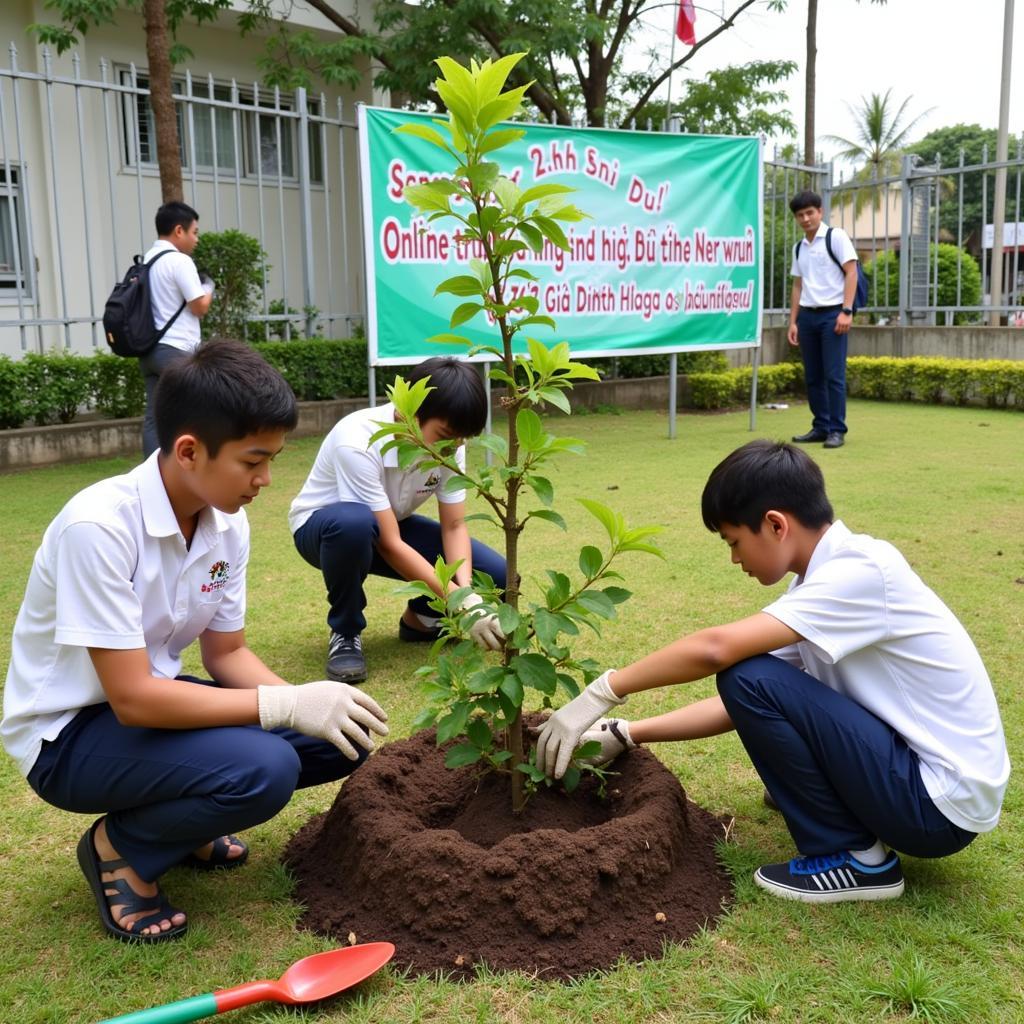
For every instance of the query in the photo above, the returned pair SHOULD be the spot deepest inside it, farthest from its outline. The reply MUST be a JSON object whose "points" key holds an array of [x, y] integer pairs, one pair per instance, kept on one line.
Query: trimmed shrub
{"points": [[236, 263], [14, 407], [118, 390], [57, 386]]}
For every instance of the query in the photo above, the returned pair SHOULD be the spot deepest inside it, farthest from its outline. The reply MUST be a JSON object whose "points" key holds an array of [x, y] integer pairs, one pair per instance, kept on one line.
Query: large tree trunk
{"points": [[168, 145], [812, 56]]}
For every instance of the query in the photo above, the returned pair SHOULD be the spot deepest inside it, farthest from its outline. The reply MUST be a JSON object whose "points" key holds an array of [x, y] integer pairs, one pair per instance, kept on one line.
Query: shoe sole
{"points": [[347, 677], [866, 893]]}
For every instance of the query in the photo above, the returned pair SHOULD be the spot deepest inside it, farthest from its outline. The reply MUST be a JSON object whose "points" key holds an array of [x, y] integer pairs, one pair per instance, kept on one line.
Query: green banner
{"points": [[669, 262]]}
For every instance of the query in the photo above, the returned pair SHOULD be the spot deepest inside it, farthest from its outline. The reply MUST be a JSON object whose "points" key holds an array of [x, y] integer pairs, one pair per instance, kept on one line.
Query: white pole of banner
{"points": [[673, 384], [671, 70], [753, 388]]}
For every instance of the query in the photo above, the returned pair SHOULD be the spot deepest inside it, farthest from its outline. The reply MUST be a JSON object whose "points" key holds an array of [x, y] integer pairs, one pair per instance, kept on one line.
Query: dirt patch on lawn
{"points": [[434, 861]]}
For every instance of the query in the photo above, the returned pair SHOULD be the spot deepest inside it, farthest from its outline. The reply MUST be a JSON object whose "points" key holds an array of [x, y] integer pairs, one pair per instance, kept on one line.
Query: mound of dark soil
{"points": [[434, 861]]}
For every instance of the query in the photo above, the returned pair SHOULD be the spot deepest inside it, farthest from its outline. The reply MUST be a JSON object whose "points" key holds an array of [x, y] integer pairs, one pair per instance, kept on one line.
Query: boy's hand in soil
{"points": [[613, 735], [330, 711], [560, 735]]}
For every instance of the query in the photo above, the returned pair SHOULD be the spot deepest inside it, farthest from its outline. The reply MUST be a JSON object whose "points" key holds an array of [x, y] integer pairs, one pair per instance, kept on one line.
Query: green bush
{"points": [[118, 390], [996, 382], [57, 386], [720, 390], [237, 265], [635, 367], [885, 269], [14, 407]]}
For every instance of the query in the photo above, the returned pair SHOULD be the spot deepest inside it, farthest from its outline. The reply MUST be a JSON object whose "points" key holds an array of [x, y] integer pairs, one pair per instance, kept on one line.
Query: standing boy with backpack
{"points": [[179, 299], [826, 280]]}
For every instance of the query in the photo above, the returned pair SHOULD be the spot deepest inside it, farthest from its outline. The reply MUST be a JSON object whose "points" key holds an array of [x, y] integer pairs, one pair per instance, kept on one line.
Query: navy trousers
{"points": [[824, 355], [341, 541], [152, 364], [166, 792], [841, 777]]}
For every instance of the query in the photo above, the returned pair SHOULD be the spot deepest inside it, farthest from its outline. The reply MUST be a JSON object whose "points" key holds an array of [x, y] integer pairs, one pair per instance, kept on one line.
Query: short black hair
{"points": [[765, 475], [170, 215], [459, 397], [223, 391], [804, 199]]}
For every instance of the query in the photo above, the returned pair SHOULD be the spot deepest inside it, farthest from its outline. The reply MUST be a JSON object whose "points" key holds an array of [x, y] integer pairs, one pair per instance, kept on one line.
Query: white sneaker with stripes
{"points": [[832, 879]]}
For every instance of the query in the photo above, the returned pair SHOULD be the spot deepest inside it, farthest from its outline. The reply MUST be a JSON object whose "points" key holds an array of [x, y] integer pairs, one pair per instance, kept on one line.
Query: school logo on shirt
{"points": [[432, 481], [218, 577]]}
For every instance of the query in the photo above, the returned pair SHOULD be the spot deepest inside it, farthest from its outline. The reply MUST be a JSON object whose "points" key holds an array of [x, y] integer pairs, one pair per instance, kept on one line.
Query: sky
{"points": [[944, 54]]}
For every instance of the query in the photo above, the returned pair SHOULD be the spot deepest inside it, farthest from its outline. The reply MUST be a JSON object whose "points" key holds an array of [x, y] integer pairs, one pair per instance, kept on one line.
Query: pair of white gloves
{"points": [[336, 712], [581, 721]]}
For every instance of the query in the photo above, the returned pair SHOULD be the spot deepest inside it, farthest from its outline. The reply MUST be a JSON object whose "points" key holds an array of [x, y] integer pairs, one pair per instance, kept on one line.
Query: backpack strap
{"points": [[167, 326], [832, 255]]}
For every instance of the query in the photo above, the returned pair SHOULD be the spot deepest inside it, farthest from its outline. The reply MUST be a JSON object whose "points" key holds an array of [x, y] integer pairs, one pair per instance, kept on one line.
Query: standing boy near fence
{"points": [[821, 310], [355, 516], [859, 697], [129, 573]]}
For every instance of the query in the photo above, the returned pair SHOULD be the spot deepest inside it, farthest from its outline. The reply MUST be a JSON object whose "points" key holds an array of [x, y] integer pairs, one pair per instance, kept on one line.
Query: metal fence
{"points": [[79, 186], [939, 215]]}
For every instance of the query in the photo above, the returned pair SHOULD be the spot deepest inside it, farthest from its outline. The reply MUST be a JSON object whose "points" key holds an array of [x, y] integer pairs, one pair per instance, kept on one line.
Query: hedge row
{"points": [[53, 388]]}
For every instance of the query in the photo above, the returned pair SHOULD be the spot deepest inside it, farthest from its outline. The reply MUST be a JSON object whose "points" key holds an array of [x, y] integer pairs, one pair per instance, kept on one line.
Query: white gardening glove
{"points": [[330, 711], [560, 735], [485, 630], [613, 735], [207, 282]]}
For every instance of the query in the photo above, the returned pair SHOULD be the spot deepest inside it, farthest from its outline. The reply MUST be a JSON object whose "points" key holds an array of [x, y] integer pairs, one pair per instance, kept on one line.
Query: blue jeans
{"points": [[841, 777], [824, 355], [166, 792], [341, 541], [151, 365]]}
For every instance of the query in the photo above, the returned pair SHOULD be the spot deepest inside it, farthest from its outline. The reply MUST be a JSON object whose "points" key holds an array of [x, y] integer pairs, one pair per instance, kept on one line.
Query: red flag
{"points": [[685, 23]]}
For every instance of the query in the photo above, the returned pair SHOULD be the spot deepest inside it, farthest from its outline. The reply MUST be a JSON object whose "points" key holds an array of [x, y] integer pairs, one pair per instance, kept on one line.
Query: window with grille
{"points": [[14, 248], [263, 138]]}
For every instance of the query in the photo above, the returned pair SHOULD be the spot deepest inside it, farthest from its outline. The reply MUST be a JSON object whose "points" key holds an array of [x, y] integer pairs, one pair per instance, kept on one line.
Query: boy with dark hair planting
{"points": [[130, 572], [355, 516], [860, 698]]}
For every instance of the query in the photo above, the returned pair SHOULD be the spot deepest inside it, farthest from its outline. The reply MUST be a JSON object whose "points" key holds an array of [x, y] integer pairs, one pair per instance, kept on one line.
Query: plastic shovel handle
{"points": [[193, 1008]]}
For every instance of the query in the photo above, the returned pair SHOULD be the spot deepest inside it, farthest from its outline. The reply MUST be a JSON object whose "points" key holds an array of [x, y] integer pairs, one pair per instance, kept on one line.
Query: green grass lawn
{"points": [[945, 485]]}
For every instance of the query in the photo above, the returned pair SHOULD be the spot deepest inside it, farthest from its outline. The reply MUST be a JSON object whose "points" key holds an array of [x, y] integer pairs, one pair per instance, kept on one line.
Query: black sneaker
{"points": [[412, 635], [832, 879], [345, 661]]}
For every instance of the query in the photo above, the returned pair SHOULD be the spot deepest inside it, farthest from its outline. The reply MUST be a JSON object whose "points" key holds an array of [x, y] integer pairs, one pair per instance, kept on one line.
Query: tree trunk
{"points": [[161, 97], [812, 56]]}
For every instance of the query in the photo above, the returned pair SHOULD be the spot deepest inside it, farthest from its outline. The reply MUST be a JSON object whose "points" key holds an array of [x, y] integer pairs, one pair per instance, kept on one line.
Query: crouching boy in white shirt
{"points": [[131, 571], [858, 695]]}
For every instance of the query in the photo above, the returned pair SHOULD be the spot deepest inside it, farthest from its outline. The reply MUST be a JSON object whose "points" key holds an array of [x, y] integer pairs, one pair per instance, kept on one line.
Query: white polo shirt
{"points": [[172, 280], [874, 632], [349, 468], [113, 571], [822, 282]]}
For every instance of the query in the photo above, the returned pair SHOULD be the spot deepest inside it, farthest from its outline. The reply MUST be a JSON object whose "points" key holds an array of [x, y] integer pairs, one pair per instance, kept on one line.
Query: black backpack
{"points": [[128, 315], [860, 298]]}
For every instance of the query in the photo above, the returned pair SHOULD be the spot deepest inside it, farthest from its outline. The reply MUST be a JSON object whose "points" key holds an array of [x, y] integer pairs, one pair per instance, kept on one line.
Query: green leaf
{"points": [[479, 733], [423, 131], [548, 626], [533, 238], [541, 191], [494, 443], [426, 197], [453, 724], [542, 487], [571, 778], [500, 138], [485, 517], [465, 312], [463, 754], [462, 285], [598, 603], [560, 589], [604, 515], [485, 682], [589, 749], [557, 398], [534, 670], [529, 429], [493, 75], [548, 515], [508, 618], [591, 561], [617, 594], [551, 231], [507, 105], [482, 177], [512, 688], [449, 339]]}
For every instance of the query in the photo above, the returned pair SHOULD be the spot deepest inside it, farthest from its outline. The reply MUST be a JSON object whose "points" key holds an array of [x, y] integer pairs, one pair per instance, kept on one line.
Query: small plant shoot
{"points": [[471, 699]]}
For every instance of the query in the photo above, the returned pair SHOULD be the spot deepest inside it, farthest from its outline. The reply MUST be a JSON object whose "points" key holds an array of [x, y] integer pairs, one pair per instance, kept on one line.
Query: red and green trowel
{"points": [[314, 977]]}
